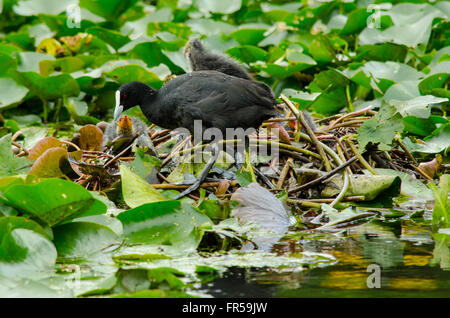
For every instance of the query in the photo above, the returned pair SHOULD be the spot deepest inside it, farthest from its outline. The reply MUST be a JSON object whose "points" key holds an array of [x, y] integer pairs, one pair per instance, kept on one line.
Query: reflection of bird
{"points": [[121, 132], [202, 60], [218, 100]]}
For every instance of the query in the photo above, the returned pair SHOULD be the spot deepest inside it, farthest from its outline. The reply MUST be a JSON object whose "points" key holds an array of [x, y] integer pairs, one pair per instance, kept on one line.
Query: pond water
{"points": [[404, 260]]}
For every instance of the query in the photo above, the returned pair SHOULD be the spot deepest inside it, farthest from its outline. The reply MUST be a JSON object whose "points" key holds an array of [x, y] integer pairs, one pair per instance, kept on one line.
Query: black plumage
{"points": [[201, 60], [219, 100]]}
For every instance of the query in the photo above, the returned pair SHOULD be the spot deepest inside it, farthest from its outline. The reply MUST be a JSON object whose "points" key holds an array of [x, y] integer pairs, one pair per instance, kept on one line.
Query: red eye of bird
{"points": [[124, 96]]}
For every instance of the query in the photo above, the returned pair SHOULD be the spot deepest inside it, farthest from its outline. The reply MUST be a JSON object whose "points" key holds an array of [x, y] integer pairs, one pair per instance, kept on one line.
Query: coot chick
{"points": [[216, 99], [202, 60], [121, 132]]}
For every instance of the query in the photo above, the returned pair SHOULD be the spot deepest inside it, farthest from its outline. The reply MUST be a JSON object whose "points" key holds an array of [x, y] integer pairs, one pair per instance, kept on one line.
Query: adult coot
{"points": [[201, 60], [216, 99]]}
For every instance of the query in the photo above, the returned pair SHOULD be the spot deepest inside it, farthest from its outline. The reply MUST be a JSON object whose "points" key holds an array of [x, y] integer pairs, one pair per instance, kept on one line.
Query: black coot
{"points": [[216, 99], [202, 60]]}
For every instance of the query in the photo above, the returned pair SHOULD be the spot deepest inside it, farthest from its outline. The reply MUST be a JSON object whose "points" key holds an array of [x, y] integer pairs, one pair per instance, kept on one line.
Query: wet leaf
{"points": [[129, 73], [437, 143], [418, 107], [410, 185], [42, 146], [218, 6], [48, 164], [11, 93], [261, 207], [441, 210], [136, 191], [248, 53], [68, 64], [83, 239], [52, 201], [29, 255], [34, 7], [338, 218], [431, 167], [109, 9], [51, 87], [10, 164], [167, 223], [113, 38], [29, 61], [91, 138], [380, 129], [369, 186]]}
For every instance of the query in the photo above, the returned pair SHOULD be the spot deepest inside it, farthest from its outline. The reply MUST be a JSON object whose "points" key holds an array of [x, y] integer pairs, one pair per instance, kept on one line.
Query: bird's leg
{"points": [[203, 173], [240, 157]]}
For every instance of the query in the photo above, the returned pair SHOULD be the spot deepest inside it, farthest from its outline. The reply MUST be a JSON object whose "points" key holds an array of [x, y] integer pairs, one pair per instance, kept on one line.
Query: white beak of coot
{"points": [[119, 108]]}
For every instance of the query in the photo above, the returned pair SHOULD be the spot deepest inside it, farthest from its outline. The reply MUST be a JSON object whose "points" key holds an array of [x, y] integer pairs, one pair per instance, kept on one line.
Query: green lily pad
{"points": [[422, 126], [53, 200], [10, 164], [83, 239], [368, 186], [113, 38], [225, 7], [418, 106], [381, 129], [410, 185], [437, 143], [34, 7], [67, 64], [11, 93], [136, 191], [248, 35], [29, 254], [166, 223], [248, 53], [51, 87], [128, 73], [356, 21], [108, 9], [29, 61]]}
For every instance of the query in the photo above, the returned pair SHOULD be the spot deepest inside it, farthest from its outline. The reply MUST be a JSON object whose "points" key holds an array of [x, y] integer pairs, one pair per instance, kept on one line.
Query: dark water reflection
{"points": [[412, 262]]}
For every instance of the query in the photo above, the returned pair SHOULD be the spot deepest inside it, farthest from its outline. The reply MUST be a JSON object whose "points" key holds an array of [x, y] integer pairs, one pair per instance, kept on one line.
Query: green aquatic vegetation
{"points": [[112, 232]]}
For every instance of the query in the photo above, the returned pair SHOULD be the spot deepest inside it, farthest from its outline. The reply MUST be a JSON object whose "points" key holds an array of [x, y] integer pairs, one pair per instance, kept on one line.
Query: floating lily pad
{"points": [[11, 93], [51, 87], [167, 223], [28, 254], [83, 239], [43, 145], [136, 191], [10, 164], [53, 200], [369, 186], [48, 164]]}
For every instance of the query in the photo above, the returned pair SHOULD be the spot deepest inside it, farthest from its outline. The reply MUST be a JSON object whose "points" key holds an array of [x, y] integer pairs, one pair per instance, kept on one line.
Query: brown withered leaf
{"points": [[43, 145], [82, 169], [279, 131], [48, 164], [91, 138], [431, 167]]}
